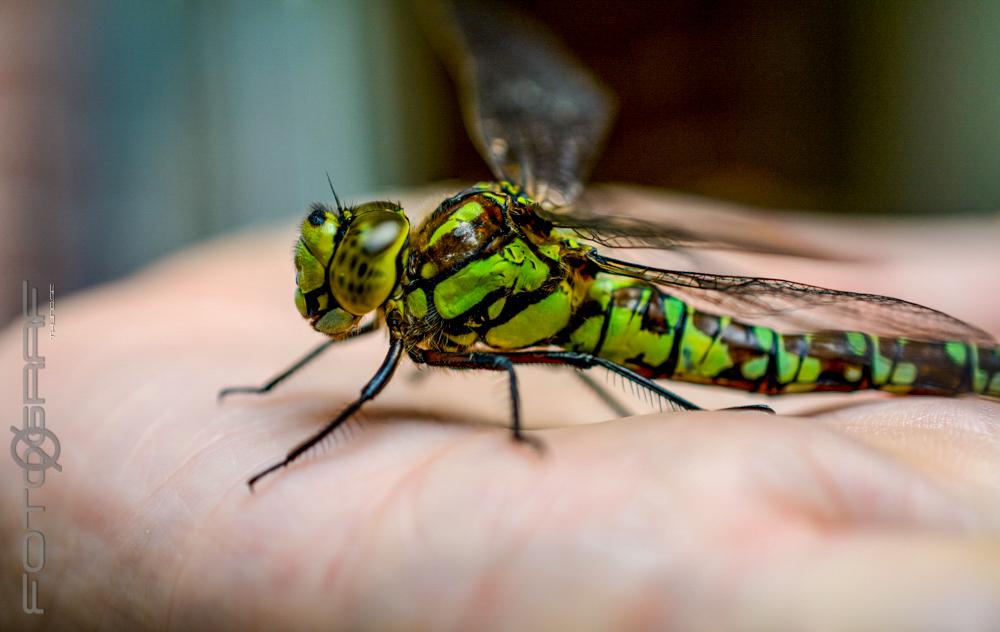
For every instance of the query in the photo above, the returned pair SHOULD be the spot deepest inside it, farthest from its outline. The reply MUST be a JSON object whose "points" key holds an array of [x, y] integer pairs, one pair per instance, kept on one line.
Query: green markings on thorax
{"points": [[416, 303], [428, 270], [515, 268], [508, 291], [536, 322], [496, 308], [552, 250]]}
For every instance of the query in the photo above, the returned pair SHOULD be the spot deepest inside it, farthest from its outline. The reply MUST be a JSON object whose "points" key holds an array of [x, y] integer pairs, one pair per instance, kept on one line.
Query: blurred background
{"points": [[131, 128]]}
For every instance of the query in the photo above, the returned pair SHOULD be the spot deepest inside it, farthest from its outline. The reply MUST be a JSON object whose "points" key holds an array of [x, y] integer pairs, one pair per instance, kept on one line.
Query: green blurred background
{"points": [[131, 128]]}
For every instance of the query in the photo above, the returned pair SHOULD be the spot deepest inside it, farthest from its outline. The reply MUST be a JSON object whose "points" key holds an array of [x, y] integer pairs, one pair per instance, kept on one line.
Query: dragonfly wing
{"points": [[616, 217], [539, 119], [537, 116], [797, 307], [620, 231]]}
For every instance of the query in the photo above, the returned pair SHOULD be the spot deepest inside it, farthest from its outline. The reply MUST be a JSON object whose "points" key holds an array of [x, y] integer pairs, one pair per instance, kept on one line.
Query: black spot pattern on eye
{"points": [[363, 268]]}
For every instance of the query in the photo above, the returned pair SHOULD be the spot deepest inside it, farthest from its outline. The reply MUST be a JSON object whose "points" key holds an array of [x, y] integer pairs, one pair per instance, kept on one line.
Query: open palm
{"points": [[863, 511]]}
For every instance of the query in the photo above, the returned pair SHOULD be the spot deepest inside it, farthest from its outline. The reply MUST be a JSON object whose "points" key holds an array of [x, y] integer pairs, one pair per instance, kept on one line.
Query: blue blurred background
{"points": [[132, 128]]}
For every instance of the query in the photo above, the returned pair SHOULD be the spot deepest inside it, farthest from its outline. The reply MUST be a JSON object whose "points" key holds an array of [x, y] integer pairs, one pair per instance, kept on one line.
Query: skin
{"points": [[861, 511]]}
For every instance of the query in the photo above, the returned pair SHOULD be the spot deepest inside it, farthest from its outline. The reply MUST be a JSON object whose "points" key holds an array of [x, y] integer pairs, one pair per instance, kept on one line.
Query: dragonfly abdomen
{"points": [[853, 360], [634, 323]]}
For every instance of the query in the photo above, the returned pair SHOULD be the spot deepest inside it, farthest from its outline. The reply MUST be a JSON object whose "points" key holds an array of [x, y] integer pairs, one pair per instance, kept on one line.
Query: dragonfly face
{"points": [[347, 263]]}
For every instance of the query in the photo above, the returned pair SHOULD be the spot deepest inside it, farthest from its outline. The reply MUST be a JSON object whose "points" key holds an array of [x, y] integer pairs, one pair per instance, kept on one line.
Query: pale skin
{"points": [[861, 511]]}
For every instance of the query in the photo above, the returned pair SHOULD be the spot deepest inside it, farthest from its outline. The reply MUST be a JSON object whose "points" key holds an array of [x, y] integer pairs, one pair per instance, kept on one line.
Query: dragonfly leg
{"points": [[506, 362], [762, 408], [488, 362], [609, 400], [371, 389], [301, 362], [587, 361]]}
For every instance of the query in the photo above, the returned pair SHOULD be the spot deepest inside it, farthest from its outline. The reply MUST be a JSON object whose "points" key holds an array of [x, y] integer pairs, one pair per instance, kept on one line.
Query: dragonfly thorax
{"points": [[347, 263]]}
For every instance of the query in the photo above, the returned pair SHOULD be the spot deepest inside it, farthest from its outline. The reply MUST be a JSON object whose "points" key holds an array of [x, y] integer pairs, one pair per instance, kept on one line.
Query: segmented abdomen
{"points": [[635, 324]]}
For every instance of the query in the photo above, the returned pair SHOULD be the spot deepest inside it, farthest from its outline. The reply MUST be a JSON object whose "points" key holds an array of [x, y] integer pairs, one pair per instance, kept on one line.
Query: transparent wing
{"points": [[617, 217], [539, 119], [536, 115], [622, 231], [796, 307]]}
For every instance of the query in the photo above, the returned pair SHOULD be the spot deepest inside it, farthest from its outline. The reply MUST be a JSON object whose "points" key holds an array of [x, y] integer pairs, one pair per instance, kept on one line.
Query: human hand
{"points": [[860, 511]]}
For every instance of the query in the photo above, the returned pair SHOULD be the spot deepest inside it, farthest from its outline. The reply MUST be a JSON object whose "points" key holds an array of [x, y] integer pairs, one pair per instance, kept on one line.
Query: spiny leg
{"points": [[609, 400], [301, 362], [506, 362], [487, 362], [371, 389], [586, 361]]}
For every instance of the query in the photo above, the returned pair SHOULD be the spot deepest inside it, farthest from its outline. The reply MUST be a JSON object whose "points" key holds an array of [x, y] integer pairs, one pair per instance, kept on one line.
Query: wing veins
{"points": [[793, 304]]}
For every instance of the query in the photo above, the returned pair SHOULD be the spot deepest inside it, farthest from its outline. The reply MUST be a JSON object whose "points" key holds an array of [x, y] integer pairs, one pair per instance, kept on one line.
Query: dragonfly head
{"points": [[347, 263]]}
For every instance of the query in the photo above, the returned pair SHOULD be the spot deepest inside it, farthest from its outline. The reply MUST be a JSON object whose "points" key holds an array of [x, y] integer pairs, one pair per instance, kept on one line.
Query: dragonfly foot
{"points": [[230, 390], [261, 474]]}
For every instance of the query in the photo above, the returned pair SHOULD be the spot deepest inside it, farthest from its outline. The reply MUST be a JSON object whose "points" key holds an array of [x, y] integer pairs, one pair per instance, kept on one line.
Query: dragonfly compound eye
{"points": [[365, 266], [313, 252]]}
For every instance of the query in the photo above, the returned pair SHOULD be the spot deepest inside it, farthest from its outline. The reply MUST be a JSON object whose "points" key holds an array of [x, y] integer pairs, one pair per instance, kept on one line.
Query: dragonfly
{"points": [[517, 271]]}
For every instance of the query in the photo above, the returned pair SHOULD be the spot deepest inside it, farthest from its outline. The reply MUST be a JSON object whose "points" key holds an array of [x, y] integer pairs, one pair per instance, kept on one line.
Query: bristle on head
{"points": [[340, 206]]}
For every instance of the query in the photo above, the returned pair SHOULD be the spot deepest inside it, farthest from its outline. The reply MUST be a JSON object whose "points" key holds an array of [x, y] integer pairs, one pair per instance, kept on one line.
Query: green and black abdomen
{"points": [[636, 324]]}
